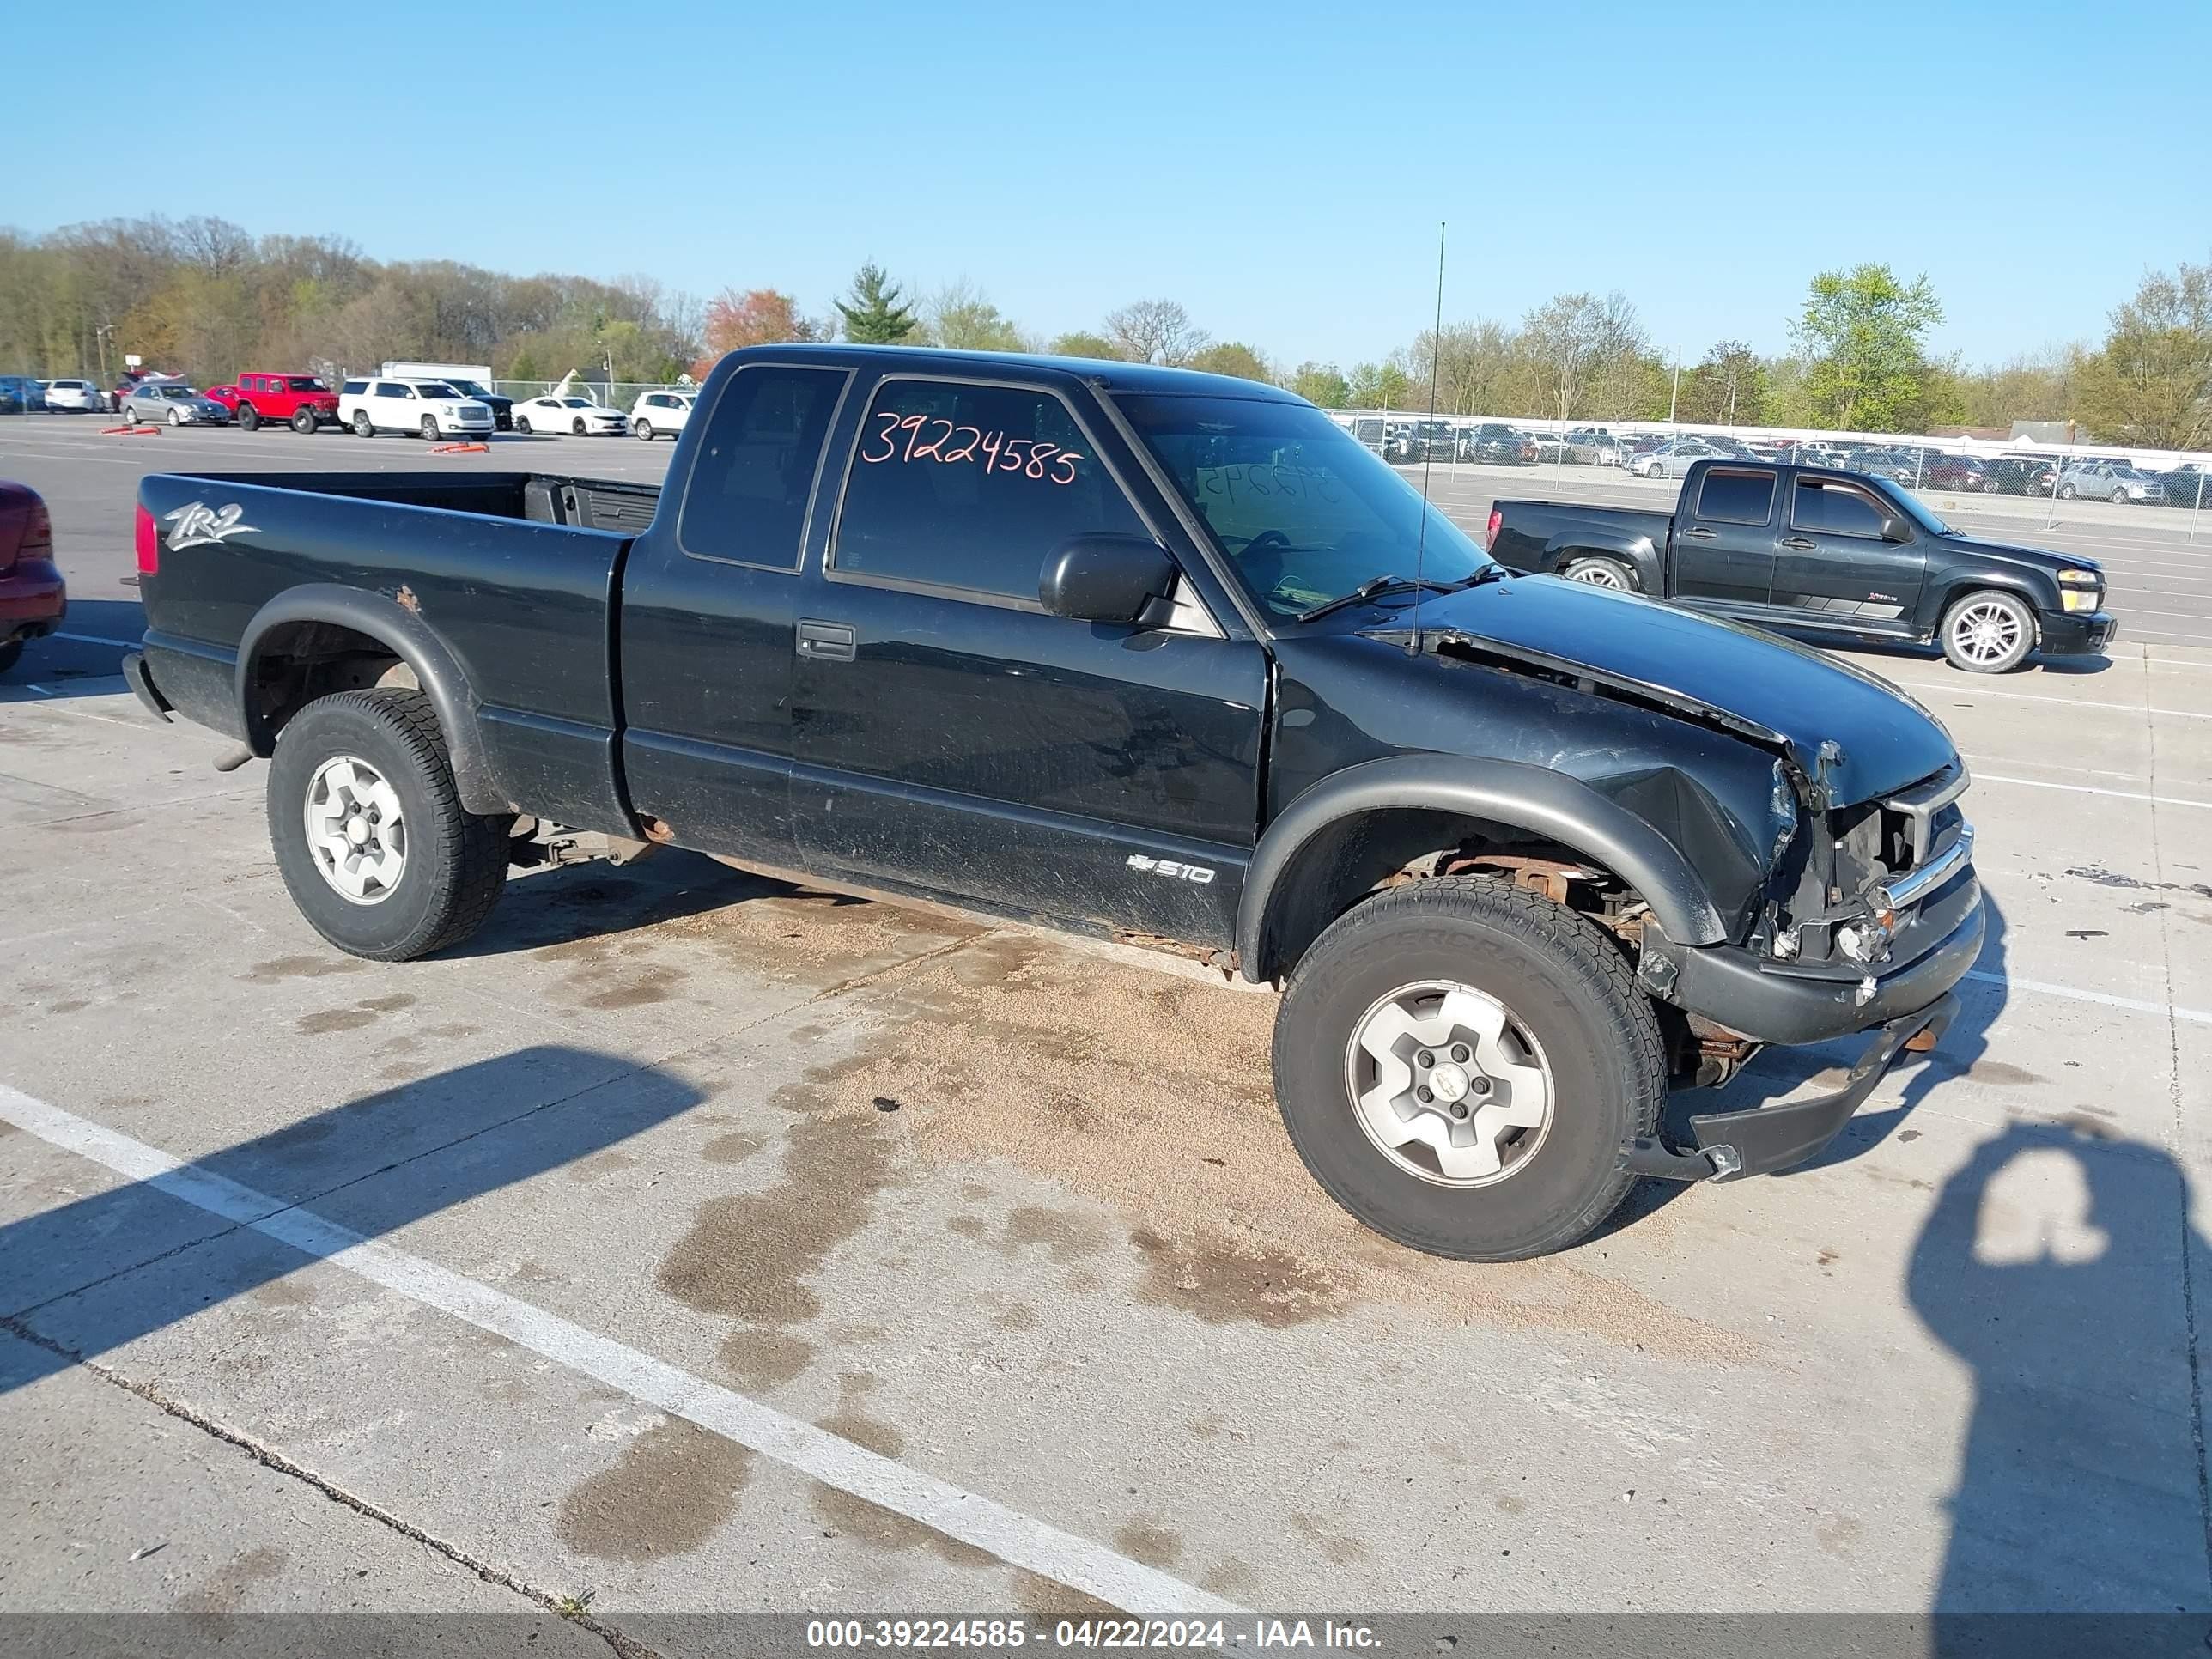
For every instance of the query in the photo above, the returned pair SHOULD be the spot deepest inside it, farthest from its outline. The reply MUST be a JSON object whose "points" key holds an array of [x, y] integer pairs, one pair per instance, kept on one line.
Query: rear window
{"points": [[746, 502], [1837, 509], [1733, 497]]}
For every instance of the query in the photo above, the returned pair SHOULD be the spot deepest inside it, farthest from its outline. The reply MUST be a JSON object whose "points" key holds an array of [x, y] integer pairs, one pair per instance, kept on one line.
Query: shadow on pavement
{"points": [[2055, 1266], [59, 667], [95, 1274]]}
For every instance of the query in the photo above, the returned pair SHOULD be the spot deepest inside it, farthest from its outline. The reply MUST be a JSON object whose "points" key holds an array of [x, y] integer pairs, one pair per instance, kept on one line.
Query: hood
{"points": [[1854, 736], [2039, 558]]}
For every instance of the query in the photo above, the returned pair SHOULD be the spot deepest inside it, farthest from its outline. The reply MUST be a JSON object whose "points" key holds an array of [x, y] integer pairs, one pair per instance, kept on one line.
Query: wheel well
{"points": [[297, 662], [1365, 854]]}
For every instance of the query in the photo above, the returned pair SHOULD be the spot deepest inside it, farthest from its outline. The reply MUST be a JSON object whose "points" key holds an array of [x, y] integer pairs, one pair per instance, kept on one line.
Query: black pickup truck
{"points": [[1837, 553], [1128, 651]]}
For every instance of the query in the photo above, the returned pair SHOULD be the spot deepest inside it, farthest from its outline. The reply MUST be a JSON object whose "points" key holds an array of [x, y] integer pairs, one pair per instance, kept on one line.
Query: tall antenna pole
{"points": [[1428, 441]]}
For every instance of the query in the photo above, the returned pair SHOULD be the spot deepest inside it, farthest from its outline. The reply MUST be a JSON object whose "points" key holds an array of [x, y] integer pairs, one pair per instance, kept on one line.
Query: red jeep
{"points": [[300, 399]]}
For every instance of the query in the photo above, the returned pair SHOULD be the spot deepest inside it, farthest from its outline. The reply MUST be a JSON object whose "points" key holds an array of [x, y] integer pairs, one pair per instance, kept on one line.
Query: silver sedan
{"points": [[173, 404]]}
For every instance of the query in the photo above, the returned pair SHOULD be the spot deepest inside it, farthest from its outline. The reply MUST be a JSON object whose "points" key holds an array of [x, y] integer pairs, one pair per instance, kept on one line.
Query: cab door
{"points": [[951, 738], [1725, 530], [1838, 565]]}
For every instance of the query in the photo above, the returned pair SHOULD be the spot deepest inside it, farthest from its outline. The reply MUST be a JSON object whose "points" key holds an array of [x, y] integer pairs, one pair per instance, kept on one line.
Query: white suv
{"points": [[430, 408], [79, 395], [656, 412]]}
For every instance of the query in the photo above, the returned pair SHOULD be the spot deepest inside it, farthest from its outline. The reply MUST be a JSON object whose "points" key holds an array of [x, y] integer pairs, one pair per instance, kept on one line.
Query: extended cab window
{"points": [[755, 475], [1836, 509], [355, 388], [970, 487], [1732, 497]]}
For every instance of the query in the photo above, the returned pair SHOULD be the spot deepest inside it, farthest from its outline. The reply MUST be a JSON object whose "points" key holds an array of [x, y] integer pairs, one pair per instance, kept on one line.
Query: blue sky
{"points": [[1278, 169]]}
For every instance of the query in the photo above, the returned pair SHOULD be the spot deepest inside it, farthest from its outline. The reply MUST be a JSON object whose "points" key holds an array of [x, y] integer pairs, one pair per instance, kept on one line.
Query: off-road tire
{"points": [[456, 863], [1561, 976], [303, 421], [249, 417]]}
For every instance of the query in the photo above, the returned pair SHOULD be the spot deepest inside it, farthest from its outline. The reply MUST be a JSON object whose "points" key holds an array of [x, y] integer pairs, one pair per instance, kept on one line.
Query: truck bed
{"points": [[512, 576]]}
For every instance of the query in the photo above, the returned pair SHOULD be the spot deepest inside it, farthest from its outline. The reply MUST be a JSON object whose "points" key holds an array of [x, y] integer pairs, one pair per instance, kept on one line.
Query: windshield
{"points": [[1910, 505], [435, 389], [469, 386], [575, 403], [1302, 511], [179, 392]]}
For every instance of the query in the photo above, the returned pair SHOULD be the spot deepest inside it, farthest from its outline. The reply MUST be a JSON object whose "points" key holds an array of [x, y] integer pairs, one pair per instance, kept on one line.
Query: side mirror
{"points": [[1106, 578], [1894, 529]]}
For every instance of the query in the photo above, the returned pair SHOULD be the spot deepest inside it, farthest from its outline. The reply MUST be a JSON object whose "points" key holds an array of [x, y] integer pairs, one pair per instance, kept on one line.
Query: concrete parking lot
{"points": [[690, 1242]]}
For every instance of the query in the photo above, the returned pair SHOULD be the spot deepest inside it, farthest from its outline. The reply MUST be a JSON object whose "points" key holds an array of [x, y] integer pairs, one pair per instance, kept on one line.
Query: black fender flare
{"points": [[1941, 594], [381, 617], [1550, 803], [1639, 552]]}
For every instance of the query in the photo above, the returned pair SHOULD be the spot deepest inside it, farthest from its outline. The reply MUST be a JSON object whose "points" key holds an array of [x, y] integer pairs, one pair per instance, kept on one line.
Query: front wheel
{"points": [[2118, 498], [643, 429], [429, 428], [1601, 573], [249, 417], [176, 417], [522, 424], [1987, 633], [369, 831], [577, 426], [303, 420], [1460, 1061], [2066, 492]]}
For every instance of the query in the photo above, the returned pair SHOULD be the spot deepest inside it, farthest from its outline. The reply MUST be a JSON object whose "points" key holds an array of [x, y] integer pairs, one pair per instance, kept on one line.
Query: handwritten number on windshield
{"points": [[1030, 457]]}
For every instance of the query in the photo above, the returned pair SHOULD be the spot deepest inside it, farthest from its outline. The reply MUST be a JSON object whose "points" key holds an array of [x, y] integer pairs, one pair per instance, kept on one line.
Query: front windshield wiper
{"points": [[1373, 588]]}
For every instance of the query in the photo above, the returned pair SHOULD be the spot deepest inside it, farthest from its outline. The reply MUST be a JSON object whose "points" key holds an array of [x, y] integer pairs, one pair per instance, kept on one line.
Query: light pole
{"points": [[1674, 397]]}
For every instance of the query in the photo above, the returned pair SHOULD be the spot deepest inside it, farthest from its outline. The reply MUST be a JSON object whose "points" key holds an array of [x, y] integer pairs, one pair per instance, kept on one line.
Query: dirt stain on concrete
{"points": [[1066, 1235], [749, 1256], [285, 1293], [734, 1147], [847, 1517], [352, 1019], [1837, 1534], [760, 1359], [1224, 1280], [1338, 1548], [227, 1590], [284, 968], [2002, 1072], [1048, 1598], [1151, 1541], [851, 1420], [633, 988], [673, 1488], [1510, 1504], [600, 1165]]}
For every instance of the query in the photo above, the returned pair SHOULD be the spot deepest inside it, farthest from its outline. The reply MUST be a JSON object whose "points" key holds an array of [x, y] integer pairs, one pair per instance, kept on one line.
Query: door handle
{"points": [[827, 641], [1799, 543], [1700, 534]]}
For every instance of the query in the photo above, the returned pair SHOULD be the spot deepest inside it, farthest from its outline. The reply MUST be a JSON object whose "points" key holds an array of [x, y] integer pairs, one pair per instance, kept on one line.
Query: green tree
{"points": [[1728, 388], [2152, 383], [1380, 386], [961, 319], [1082, 345], [874, 316], [1323, 384], [1863, 334], [1233, 357]]}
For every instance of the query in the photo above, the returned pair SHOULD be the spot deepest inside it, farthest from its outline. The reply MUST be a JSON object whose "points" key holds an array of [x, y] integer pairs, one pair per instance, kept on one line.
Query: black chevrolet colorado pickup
{"points": [[1130, 651], [1837, 553]]}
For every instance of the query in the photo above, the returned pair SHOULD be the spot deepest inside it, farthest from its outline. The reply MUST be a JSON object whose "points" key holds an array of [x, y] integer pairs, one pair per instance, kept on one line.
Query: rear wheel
{"points": [[1601, 573], [1987, 633], [362, 426], [249, 417], [369, 832], [1459, 1063]]}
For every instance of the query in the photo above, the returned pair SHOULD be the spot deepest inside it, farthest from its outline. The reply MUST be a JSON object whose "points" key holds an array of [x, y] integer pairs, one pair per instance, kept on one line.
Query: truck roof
{"points": [[1106, 374]]}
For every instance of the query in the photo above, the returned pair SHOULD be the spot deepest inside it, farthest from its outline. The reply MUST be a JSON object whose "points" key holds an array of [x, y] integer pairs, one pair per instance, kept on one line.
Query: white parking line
{"points": [[1967, 689], [2102, 998], [1016, 1539], [2087, 789]]}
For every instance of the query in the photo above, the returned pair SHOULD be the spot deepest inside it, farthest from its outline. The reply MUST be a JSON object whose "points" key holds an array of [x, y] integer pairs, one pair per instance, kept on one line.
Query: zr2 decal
{"points": [[1171, 869], [200, 525]]}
